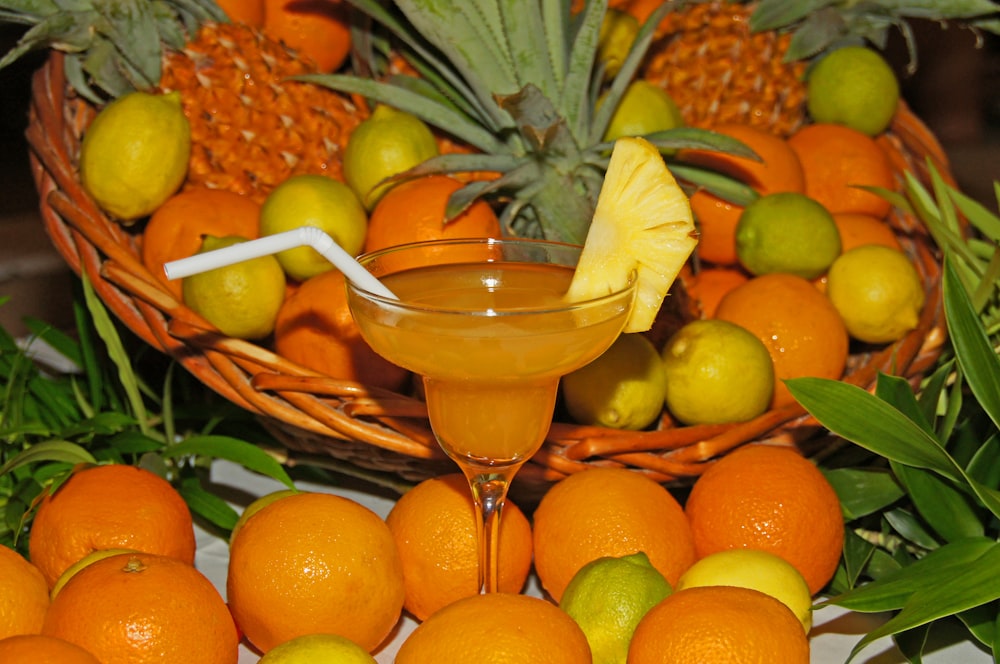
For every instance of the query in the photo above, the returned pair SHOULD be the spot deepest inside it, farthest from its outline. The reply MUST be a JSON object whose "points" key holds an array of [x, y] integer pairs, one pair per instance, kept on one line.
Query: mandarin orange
{"points": [[314, 563], [857, 229], [772, 499], [315, 329], [250, 12], [434, 525], [139, 608], [608, 512], [105, 507], [710, 285], [24, 595], [838, 162], [497, 627], [320, 31], [41, 649], [800, 327], [177, 228], [777, 170], [719, 625], [414, 211], [717, 220]]}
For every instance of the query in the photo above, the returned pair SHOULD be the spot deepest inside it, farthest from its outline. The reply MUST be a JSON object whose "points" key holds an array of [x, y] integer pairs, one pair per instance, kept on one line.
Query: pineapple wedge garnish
{"points": [[642, 226]]}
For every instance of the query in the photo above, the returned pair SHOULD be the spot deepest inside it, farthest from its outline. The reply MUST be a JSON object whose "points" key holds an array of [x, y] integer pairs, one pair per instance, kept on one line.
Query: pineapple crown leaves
{"points": [[517, 80], [112, 47], [820, 25]]}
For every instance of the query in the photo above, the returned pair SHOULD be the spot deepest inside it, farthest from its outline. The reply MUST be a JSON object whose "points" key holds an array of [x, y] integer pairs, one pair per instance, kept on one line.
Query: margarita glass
{"points": [[487, 326]]}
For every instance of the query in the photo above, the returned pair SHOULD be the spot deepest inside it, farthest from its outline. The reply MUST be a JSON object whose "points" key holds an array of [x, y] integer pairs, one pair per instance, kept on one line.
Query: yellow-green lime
{"points": [[317, 649], [241, 299], [134, 155], [608, 597], [763, 571], [257, 505], [624, 388], [644, 108], [853, 86], [387, 143], [618, 32], [877, 291], [314, 200], [717, 372], [787, 232]]}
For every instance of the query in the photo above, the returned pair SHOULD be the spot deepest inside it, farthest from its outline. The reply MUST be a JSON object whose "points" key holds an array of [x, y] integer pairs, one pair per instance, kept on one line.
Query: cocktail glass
{"points": [[486, 325]]}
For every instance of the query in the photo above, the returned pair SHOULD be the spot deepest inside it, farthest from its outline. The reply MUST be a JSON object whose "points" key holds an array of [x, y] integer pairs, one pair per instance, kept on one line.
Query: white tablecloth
{"points": [[834, 633]]}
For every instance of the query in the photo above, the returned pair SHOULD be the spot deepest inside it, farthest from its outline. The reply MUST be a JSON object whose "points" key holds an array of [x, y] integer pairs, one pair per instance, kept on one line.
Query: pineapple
{"points": [[642, 229]]}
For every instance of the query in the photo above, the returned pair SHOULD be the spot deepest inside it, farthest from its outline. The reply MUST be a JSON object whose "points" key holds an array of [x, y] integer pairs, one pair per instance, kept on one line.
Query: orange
{"points": [[40, 649], [24, 595], [857, 229], [250, 12], [497, 627], [414, 211], [800, 327], [434, 525], [608, 512], [771, 499], [315, 563], [106, 507], [719, 625], [138, 608], [178, 226], [837, 161], [777, 170], [320, 31], [315, 329], [708, 287], [717, 220]]}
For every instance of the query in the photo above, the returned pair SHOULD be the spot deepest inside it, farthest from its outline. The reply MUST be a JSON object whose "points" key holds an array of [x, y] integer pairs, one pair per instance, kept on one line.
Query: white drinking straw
{"points": [[303, 236]]}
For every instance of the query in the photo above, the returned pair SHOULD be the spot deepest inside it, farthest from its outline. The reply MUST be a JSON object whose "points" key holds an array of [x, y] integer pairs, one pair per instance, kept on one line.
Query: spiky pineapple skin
{"points": [[252, 127]]}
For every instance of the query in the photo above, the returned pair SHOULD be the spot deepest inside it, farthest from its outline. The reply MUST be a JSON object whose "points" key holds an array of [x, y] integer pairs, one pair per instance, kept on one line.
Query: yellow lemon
{"points": [[387, 143], [877, 291], [758, 570], [717, 372], [608, 597], [622, 389], [319, 201], [618, 32], [645, 108], [134, 154], [317, 649], [787, 232], [242, 299], [853, 86]]}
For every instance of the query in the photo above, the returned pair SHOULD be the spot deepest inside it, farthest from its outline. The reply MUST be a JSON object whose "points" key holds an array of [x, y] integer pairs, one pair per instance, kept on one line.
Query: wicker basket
{"points": [[383, 431]]}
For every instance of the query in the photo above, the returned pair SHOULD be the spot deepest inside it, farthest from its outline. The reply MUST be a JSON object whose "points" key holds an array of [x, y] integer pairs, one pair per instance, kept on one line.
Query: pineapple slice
{"points": [[642, 225]]}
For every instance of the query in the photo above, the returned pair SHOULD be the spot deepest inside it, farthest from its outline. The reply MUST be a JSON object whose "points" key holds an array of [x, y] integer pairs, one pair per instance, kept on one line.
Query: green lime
{"points": [[241, 299], [853, 86], [758, 570], [645, 108], [622, 389], [317, 649], [717, 372], [134, 155], [608, 597], [877, 291], [387, 143], [787, 232]]}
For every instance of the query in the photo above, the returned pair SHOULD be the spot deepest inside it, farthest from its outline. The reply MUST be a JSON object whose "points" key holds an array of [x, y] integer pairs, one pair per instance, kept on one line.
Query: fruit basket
{"points": [[386, 431]]}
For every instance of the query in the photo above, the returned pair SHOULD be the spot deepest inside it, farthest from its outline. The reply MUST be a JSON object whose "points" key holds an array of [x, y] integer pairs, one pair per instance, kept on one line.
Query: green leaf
{"points": [[51, 450], [864, 491], [945, 508], [528, 44], [910, 528], [232, 449], [207, 505]]}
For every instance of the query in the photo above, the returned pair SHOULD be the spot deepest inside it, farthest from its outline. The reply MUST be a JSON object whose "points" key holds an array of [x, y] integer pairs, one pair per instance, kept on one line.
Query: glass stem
{"points": [[489, 491]]}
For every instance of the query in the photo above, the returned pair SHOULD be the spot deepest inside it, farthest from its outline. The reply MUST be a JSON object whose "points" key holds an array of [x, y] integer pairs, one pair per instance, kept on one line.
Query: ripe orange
{"points": [[434, 525], [497, 627], [178, 226], [777, 170], [24, 595], [708, 287], [105, 507], [772, 499], [141, 608], [314, 563], [800, 327], [837, 160], [320, 31], [250, 12], [414, 211], [41, 649], [608, 512], [717, 220], [721, 625], [315, 328], [858, 229]]}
